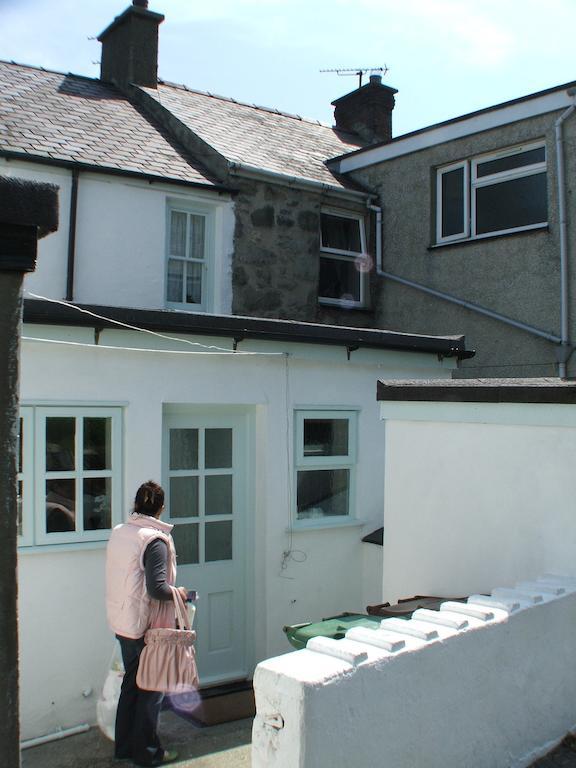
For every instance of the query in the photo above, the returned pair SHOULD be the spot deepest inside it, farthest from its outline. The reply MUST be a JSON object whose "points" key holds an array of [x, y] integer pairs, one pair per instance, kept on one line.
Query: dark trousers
{"points": [[138, 712]]}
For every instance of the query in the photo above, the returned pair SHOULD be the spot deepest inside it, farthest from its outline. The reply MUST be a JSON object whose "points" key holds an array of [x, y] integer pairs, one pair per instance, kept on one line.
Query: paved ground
{"points": [[217, 746]]}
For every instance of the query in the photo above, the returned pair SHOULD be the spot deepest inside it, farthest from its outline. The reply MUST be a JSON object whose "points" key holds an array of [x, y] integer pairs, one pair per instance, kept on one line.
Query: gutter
{"points": [[263, 174]]}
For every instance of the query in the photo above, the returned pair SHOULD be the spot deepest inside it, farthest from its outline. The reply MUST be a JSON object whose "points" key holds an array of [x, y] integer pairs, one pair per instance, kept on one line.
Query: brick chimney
{"points": [[130, 47], [367, 111]]}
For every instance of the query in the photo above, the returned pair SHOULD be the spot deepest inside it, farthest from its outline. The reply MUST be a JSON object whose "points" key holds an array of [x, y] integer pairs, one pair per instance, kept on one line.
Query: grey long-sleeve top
{"points": [[156, 569]]}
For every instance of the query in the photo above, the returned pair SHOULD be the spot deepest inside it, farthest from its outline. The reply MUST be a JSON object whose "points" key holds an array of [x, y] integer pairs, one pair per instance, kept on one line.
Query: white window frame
{"points": [[472, 182], [303, 463], [343, 255], [208, 213], [34, 474]]}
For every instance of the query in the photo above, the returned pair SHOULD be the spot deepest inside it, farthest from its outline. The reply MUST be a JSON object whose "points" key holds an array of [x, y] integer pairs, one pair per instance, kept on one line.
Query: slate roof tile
{"points": [[67, 117], [257, 136]]}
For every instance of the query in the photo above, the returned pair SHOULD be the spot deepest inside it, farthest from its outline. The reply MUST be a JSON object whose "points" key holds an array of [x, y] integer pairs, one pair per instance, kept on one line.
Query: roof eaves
{"points": [[239, 328]]}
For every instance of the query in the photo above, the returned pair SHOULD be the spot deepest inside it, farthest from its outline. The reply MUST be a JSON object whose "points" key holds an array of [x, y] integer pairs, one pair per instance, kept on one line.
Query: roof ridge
{"points": [[272, 110], [38, 68]]}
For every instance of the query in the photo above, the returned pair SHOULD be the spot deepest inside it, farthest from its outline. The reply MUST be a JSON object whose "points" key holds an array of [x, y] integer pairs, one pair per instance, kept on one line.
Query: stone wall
{"points": [[277, 254]]}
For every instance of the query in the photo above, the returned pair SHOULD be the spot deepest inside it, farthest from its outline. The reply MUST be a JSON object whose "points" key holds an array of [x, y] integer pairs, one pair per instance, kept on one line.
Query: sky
{"points": [[445, 57]]}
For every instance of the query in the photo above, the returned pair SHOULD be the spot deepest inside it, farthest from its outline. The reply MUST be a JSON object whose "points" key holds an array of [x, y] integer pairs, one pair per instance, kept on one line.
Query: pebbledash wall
{"points": [[488, 684], [65, 643], [494, 501]]}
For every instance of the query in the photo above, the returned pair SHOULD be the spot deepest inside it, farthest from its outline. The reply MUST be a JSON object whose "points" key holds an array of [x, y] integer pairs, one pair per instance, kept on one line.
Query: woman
{"points": [[140, 576]]}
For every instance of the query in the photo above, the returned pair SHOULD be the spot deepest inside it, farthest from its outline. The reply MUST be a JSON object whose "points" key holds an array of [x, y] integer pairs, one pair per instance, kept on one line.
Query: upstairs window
{"points": [[343, 260], [186, 282], [492, 194]]}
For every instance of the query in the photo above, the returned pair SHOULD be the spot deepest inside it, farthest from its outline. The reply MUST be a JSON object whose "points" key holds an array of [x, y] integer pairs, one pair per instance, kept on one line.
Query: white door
{"points": [[205, 464]]}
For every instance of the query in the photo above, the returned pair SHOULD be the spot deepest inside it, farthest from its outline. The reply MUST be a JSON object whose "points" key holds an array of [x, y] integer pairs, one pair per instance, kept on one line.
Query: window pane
{"points": [[60, 435], [453, 202], [183, 497], [218, 495], [508, 163], [185, 537], [97, 503], [511, 204], [218, 541], [97, 443], [194, 283], [341, 233], [218, 448], [175, 280], [197, 229], [323, 493], [183, 449], [339, 279], [60, 505], [325, 437], [178, 234]]}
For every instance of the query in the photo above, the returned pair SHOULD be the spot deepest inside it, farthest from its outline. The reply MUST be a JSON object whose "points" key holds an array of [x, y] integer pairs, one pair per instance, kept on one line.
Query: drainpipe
{"points": [[564, 333], [72, 236], [378, 211], [61, 734]]}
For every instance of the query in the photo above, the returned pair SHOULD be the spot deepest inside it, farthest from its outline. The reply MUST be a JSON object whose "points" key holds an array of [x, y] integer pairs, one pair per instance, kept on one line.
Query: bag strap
{"points": [[180, 608]]}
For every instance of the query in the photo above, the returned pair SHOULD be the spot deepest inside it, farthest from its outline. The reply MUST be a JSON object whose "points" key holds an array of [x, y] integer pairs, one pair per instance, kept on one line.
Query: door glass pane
{"points": [[183, 449], [340, 279], [178, 234], [19, 502], [197, 237], [453, 202], [341, 233], [97, 503], [325, 437], [175, 280], [60, 505], [194, 283], [218, 541], [323, 493], [218, 448], [60, 435], [218, 495], [511, 204], [97, 443], [183, 497], [508, 163], [185, 537]]}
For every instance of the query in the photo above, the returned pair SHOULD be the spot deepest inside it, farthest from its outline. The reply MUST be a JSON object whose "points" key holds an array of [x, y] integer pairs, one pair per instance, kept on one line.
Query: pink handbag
{"points": [[168, 660]]}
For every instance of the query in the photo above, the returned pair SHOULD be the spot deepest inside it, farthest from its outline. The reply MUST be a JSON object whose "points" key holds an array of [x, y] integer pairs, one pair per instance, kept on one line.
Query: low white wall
{"points": [[497, 693], [470, 504]]}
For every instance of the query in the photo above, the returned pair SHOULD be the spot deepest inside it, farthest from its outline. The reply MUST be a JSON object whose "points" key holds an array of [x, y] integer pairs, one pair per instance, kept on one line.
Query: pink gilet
{"points": [[131, 611]]}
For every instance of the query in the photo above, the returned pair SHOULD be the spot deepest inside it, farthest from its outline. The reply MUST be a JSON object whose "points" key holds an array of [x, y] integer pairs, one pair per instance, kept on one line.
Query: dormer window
{"points": [[188, 258], [342, 259]]}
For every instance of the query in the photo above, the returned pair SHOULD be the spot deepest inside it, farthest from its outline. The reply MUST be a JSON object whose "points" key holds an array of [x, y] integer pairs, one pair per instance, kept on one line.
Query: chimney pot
{"points": [[376, 79], [140, 3]]}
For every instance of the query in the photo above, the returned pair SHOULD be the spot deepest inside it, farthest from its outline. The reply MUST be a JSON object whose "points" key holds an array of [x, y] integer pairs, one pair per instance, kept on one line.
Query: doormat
{"points": [[215, 705]]}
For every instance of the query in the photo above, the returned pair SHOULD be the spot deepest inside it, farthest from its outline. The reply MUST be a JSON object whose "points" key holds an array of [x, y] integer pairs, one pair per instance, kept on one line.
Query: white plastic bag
{"points": [[108, 702]]}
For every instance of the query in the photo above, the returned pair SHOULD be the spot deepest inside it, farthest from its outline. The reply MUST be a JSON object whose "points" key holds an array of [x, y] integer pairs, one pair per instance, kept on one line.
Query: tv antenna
{"points": [[358, 71]]}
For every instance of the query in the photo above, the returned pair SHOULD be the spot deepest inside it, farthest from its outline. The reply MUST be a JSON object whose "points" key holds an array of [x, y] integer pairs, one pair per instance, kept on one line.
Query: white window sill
{"points": [[342, 303], [323, 524], [489, 235], [35, 549]]}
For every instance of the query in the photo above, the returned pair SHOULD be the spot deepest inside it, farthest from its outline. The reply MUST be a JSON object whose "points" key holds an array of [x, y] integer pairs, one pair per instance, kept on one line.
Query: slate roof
{"points": [[259, 137], [76, 119]]}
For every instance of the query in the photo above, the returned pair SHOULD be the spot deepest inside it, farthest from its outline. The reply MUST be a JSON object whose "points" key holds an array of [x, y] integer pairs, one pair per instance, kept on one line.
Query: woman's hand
{"points": [[183, 593]]}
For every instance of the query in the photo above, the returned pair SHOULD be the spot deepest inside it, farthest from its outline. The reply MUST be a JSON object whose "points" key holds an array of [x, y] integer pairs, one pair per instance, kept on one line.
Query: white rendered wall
{"points": [[324, 575], [120, 257], [497, 693], [471, 505]]}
